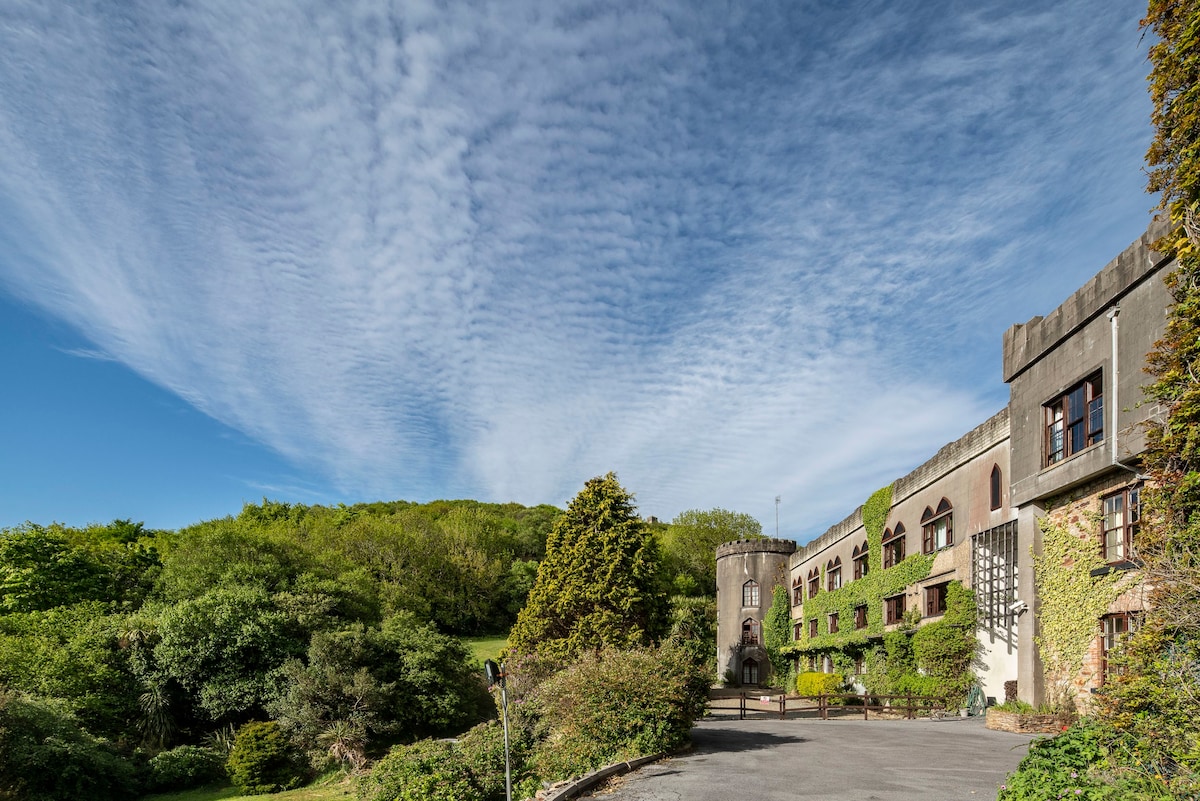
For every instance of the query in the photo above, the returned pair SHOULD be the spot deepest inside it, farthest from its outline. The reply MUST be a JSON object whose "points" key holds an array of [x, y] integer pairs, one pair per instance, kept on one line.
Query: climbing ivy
{"points": [[869, 590], [1071, 598]]}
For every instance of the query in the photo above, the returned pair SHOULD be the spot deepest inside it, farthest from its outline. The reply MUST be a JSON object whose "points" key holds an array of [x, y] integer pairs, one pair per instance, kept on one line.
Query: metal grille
{"points": [[994, 574]]}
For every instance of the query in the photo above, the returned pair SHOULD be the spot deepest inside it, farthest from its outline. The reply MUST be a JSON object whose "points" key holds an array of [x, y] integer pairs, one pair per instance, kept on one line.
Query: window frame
{"points": [[750, 671], [1131, 518], [893, 546], [931, 527], [797, 592], [797, 631], [1073, 420], [861, 618], [814, 582], [996, 487], [833, 622], [751, 632], [862, 565], [812, 628], [1109, 639], [833, 574], [935, 599], [889, 612], [751, 595]]}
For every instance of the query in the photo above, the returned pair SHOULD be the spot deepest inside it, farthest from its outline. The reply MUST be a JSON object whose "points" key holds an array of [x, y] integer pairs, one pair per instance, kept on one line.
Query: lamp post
{"points": [[496, 675]]}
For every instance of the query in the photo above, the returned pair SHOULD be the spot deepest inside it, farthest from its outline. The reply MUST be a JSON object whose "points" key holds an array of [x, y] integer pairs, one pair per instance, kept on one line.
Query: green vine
{"points": [[1071, 598], [870, 590]]}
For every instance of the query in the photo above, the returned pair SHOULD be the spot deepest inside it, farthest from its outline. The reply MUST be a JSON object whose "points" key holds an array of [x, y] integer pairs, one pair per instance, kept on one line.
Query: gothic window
{"points": [[893, 546], [937, 527], [750, 593]]}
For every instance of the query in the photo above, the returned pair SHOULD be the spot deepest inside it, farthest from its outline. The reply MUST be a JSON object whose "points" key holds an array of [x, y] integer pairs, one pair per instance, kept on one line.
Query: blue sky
{"points": [[335, 252]]}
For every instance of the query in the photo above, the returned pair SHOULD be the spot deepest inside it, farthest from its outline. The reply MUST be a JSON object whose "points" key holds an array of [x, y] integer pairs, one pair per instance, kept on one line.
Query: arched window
{"points": [[814, 582], [833, 574], [862, 564], [749, 672], [751, 632], [750, 595], [797, 592], [893, 546], [997, 487], [937, 527]]}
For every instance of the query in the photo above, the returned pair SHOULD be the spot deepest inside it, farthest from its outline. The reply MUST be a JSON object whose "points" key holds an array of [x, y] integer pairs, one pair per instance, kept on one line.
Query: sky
{"points": [[342, 252]]}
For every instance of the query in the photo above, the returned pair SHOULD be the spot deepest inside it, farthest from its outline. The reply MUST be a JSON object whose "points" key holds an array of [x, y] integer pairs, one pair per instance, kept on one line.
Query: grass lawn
{"points": [[488, 647], [336, 790]]}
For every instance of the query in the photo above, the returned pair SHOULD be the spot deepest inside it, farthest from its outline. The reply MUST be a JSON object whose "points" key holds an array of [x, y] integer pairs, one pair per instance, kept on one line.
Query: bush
{"points": [[184, 767], [427, 770], [263, 761], [615, 705], [46, 756], [818, 683]]}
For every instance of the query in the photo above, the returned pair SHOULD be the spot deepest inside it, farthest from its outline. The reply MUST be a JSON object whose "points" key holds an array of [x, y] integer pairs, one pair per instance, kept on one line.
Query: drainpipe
{"points": [[1113, 314]]}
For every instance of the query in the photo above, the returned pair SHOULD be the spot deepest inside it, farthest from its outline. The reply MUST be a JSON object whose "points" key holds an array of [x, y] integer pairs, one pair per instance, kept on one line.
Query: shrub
{"points": [[46, 756], [263, 761], [427, 770], [184, 767], [818, 683], [615, 705]]}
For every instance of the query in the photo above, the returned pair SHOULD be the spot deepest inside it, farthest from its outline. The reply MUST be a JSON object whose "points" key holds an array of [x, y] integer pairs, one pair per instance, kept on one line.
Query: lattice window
{"points": [[994, 574]]}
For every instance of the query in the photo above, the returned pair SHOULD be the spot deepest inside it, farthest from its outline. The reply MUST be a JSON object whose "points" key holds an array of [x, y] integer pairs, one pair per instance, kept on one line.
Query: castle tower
{"points": [[747, 573]]}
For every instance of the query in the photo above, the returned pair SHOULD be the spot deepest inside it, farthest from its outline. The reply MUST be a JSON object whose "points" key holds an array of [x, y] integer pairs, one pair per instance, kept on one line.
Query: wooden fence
{"points": [[836, 705]]}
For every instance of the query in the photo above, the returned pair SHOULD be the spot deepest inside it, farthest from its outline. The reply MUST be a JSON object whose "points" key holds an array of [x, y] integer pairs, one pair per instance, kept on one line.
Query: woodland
{"points": [[300, 639]]}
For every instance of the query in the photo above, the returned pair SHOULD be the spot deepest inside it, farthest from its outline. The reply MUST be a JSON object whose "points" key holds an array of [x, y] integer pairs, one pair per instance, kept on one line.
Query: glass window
{"points": [[750, 595], [833, 574], [751, 632], [937, 527], [893, 546], [1122, 513], [1075, 419]]}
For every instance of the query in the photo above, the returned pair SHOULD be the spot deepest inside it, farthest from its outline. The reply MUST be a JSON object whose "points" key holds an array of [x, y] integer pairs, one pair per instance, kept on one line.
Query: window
{"points": [[814, 582], [1122, 513], [859, 666], [751, 632], [937, 527], [860, 616], [812, 627], [861, 566], [833, 574], [994, 574], [833, 622], [935, 599], [997, 487], [1075, 419], [893, 609], [749, 672], [797, 631], [797, 592], [1114, 631], [750, 593], [893, 546]]}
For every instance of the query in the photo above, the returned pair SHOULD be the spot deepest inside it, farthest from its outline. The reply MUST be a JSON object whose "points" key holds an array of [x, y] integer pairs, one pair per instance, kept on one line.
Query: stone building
{"points": [[1064, 454], [747, 573]]}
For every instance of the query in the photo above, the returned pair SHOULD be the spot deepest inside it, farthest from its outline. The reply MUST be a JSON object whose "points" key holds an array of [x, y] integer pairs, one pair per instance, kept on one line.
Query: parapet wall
{"points": [[986, 435], [756, 546]]}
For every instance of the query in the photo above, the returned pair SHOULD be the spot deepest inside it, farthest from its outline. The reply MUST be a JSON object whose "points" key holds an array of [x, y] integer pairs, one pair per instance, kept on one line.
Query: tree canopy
{"points": [[690, 544], [600, 583]]}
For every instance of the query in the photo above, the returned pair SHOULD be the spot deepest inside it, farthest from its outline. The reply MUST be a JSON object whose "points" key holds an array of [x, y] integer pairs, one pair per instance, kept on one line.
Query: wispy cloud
{"points": [[493, 249]]}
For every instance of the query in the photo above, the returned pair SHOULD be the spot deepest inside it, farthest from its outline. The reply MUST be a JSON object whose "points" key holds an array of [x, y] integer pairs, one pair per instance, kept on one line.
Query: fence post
{"points": [[823, 704], [910, 706], [865, 699], [742, 708], [783, 706]]}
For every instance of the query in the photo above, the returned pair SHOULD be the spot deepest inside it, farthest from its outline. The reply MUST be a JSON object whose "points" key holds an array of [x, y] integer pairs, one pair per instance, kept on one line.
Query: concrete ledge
{"points": [[585, 783]]}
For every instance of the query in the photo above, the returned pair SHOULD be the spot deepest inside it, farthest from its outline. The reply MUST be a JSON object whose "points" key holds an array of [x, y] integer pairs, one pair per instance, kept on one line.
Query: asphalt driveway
{"points": [[830, 760]]}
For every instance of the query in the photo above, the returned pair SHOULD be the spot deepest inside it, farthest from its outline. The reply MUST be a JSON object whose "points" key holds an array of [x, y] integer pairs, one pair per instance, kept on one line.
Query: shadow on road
{"points": [[725, 741]]}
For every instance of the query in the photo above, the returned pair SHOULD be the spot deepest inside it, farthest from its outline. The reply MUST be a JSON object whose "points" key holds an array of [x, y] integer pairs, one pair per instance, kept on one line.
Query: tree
{"points": [[1154, 705], [599, 584], [690, 544]]}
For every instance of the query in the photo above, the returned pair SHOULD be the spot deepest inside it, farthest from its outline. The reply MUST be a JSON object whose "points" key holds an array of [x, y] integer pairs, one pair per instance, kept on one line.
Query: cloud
{"points": [[494, 249]]}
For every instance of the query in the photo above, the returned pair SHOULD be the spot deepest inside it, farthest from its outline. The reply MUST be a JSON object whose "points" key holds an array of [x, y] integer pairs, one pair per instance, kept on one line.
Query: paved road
{"points": [[830, 760]]}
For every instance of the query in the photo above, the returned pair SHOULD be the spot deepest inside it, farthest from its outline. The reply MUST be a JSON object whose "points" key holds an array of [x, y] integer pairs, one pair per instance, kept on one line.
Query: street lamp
{"points": [[496, 675]]}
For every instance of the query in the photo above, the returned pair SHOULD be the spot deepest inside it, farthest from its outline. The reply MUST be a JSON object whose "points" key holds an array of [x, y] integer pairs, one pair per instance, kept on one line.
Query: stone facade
{"points": [[1067, 445], [747, 572]]}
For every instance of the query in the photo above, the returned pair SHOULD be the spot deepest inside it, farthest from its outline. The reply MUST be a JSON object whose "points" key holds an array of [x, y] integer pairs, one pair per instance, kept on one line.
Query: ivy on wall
{"points": [[870, 590], [1071, 598]]}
